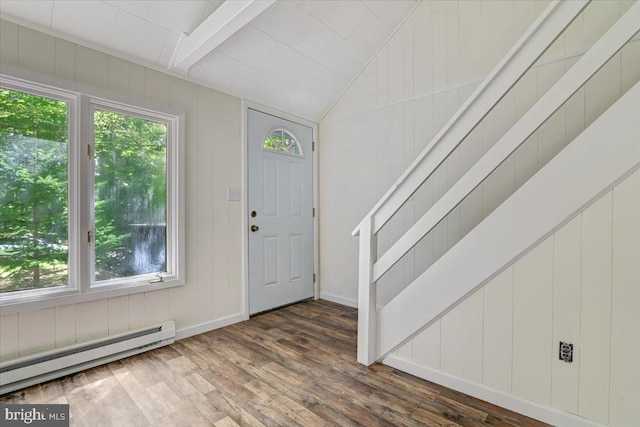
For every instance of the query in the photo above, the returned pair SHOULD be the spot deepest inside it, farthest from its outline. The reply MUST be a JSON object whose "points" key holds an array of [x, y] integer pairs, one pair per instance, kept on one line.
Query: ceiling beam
{"points": [[224, 22]]}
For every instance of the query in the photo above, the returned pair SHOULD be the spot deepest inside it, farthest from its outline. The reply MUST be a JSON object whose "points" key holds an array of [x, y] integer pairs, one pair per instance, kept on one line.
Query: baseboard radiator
{"points": [[33, 369]]}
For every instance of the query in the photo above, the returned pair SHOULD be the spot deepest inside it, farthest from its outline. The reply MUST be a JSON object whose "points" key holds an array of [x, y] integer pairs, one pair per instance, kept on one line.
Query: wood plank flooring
{"points": [[292, 367]]}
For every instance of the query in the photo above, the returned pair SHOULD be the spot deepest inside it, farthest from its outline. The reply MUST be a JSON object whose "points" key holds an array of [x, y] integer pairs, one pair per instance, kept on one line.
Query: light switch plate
{"points": [[233, 194]]}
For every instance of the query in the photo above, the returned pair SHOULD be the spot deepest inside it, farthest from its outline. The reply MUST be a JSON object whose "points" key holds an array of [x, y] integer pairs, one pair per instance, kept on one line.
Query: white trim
{"points": [[555, 97], [572, 180], [211, 325], [246, 105], [534, 410], [349, 302], [244, 214], [551, 22], [80, 98], [223, 23]]}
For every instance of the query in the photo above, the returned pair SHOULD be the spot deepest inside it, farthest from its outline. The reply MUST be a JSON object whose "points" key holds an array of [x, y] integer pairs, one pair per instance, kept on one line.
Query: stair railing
{"points": [[549, 25]]}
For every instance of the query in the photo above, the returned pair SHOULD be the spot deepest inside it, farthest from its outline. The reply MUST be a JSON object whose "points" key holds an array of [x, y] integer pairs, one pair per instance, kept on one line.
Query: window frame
{"points": [[81, 286]]}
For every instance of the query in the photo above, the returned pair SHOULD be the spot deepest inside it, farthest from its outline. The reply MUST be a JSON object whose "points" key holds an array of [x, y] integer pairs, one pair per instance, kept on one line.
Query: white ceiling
{"points": [[297, 55]]}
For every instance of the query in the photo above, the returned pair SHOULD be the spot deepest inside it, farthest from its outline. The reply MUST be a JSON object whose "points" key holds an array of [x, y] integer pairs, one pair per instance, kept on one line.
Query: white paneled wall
{"points": [[580, 285], [416, 82], [213, 292]]}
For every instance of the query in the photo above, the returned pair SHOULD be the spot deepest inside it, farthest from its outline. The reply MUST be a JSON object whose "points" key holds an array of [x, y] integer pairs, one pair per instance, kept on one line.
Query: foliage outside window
{"points": [[282, 141], [130, 195], [33, 191], [81, 216]]}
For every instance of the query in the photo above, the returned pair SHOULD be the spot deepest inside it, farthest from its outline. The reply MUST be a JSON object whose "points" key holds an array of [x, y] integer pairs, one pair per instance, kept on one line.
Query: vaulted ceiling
{"points": [[295, 55]]}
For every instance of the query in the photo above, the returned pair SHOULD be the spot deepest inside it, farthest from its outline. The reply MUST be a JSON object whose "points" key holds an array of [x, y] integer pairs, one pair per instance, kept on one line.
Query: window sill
{"points": [[66, 297]]}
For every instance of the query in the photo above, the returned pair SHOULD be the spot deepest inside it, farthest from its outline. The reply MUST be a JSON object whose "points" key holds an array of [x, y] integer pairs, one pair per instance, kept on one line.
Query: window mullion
{"points": [[85, 225]]}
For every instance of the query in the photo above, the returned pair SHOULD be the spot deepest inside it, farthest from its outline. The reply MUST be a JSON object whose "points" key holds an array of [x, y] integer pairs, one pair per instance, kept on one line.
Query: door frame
{"points": [[246, 105]]}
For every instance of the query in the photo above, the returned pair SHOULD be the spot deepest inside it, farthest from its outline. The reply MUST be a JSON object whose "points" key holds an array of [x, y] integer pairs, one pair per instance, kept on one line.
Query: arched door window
{"points": [[282, 141]]}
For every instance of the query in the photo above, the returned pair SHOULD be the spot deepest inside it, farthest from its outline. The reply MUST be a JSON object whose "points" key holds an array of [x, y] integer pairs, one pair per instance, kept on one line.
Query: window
{"points": [[99, 217], [130, 188], [34, 243], [282, 141]]}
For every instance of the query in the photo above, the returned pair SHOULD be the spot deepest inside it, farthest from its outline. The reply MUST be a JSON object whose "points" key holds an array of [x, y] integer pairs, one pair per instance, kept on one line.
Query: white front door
{"points": [[280, 203]]}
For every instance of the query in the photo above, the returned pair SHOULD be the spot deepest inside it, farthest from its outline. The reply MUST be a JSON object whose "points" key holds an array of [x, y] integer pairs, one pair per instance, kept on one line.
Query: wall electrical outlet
{"points": [[566, 352]]}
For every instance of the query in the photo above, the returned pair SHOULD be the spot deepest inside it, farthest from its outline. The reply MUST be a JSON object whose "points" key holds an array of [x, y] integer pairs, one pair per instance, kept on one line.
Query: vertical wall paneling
{"points": [[532, 324], [625, 340], [382, 76], [10, 335], [406, 351], [574, 114], [396, 63], [65, 60], [37, 331], [461, 339], [223, 111], [498, 186], [92, 320], [9, 43], [205, 202], [566, 314], [453, 45], [233, 132], [91, 68], [422, 49], [426, 346], [36, 51], [469, 43], [598, 18], [182, 302], [65, 325], [136, 311], [118, 314], [561, 290], [118, 76], [156, 307], [136, 81], [156, 88], [630, 64], [498, 332], [439, 44], [408, 67], [602, 90], [595, 303]]}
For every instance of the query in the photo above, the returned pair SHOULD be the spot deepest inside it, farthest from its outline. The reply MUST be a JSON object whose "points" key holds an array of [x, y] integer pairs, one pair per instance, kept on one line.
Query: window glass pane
{"points": [[282, 141], [33, 191], [130, 195]]}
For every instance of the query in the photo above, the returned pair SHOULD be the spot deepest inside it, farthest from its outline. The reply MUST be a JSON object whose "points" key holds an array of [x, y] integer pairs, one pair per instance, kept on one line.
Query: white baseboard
{"points": [[339, 300], [201, 328], [534, 410]]}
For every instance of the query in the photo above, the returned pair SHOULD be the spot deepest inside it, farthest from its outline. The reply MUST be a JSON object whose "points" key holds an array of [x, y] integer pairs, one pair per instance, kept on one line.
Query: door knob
{"points": [[255, 228]]}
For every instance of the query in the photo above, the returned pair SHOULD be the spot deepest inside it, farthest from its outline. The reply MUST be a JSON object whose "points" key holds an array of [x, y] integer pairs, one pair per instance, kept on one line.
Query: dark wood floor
{"points": [[294, 366]]}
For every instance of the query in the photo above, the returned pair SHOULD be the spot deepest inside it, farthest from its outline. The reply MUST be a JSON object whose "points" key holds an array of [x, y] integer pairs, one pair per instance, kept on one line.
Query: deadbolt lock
{"points": [[253, 214]]}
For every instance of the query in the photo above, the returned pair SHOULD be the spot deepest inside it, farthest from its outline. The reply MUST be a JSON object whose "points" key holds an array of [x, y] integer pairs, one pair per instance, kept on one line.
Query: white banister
{"points": [[549, 25], [366, 296], [603, 154], [608, 45]]}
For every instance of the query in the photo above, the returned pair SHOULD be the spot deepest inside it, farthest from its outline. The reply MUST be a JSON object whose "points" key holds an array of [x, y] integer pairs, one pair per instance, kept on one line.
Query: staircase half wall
{"points": [[585, 172]]}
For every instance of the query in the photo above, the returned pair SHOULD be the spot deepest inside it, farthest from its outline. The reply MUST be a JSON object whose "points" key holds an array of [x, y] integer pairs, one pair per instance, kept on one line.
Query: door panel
{"points": [[281, 194]]}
